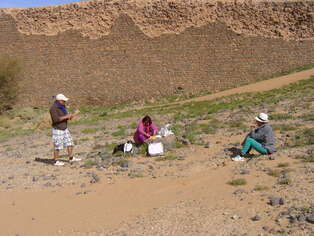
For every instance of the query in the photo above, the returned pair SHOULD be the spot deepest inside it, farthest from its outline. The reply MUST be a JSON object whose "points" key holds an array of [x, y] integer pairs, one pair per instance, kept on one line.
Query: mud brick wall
{"points": [[128, 64]]}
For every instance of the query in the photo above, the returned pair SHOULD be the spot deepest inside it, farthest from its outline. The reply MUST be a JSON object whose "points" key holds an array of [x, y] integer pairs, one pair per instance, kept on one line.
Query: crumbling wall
{"points": [[113, 51]]}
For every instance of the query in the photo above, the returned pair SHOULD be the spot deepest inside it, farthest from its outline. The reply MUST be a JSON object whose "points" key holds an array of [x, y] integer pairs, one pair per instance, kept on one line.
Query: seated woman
{"points": [[145, 130], [262, 139]]}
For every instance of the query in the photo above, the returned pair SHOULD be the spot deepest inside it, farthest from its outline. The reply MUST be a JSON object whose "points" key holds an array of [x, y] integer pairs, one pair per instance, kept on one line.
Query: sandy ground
{"points": [[183, 197]]}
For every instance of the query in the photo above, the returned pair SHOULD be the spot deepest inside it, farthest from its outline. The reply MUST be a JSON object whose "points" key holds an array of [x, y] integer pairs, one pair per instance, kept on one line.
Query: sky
{"points": [[32, 3]]}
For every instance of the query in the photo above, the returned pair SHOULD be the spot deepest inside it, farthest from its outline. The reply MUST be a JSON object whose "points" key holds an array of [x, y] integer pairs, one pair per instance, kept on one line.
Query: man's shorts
{"points": [[61, 138]]}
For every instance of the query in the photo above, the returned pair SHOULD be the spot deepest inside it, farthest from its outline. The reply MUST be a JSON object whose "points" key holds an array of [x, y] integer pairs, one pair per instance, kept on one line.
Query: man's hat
{"points": [[61, 97], [262, 117]]}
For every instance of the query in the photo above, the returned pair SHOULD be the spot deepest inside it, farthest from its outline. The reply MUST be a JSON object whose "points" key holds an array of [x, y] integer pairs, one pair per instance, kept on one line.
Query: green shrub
{"points": [[143, 149], [261, 188], [207, 129], [169, 157], [303, 138], [284, 181], [89, 130], [120, 132], [99, 146], [283, 164], [309, 158], [274, 173], [135, 175], [284, 127], [90, 163], [9, 72], [308, 117], [281, 116], [81, 139], [133, 125], [237, 182], [237, 124]]}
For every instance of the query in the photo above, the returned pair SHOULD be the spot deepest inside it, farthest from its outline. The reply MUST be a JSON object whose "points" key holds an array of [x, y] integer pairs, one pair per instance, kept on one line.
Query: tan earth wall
{"points": [[115, 51]]}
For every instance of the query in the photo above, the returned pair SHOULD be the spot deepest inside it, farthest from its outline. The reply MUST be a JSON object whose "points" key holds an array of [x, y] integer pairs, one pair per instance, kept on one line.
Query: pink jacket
{"points": [[140, 136]]}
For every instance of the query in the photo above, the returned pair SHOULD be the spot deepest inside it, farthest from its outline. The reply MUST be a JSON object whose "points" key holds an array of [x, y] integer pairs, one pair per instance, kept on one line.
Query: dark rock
{"points": [[256, 218], [95, 178], [181, 158], [274, 201], [265, 228], [169, 142], [34, 179], [124, 164], [137, 170], [49, 177], [301, 218], [244, 172], [293, 219], [207, 145], [310, 219], [48, 184], [185, 141], [281, 201], [284, 213], [239, 191]]}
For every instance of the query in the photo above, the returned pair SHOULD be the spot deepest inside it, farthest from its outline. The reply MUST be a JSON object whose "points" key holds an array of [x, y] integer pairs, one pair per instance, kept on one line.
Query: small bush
{"points": [[135, 175], [237, 182], [133, 125], [90, 163], [120, 132], [303, 138], [82, 139], [284, 181], [283, 164], [308, 117], [9, 72], [261, 188], [309, 158], [207, 129], [89, 130], [274, 173], [281, 116], [143, 149], [167, 158], [177, 129], [237, 124], [284, 127], [98, 146]]}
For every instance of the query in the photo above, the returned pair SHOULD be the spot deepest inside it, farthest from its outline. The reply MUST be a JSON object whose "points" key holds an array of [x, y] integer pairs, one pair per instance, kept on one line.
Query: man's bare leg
{"points": [[70, 152], [55, 154]]}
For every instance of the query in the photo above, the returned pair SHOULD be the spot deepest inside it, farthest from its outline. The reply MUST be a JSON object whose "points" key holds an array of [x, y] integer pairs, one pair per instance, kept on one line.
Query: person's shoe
{"points": [[238, 158], [59, 163], [75, 159]]}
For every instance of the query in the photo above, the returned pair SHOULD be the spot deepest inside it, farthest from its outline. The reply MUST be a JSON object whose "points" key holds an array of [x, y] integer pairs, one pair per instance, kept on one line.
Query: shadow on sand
{"points": [[48, 161]]}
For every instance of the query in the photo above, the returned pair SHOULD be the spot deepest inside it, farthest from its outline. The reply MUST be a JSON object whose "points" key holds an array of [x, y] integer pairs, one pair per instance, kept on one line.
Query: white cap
{"points": [[61, 97], [262, 117]]}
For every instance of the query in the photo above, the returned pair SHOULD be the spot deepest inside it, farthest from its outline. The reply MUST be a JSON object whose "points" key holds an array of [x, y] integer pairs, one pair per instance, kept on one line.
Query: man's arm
{"points": [[57, 119]]}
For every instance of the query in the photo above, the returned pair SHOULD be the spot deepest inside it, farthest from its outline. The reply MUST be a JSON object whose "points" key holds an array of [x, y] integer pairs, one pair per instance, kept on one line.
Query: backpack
{"points": [[155, 149], [128, 147], [124, 147]]}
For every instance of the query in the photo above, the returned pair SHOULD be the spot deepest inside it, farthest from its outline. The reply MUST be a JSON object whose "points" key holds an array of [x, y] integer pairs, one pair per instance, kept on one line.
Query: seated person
{"points": [[145, 130], [262, 139]]}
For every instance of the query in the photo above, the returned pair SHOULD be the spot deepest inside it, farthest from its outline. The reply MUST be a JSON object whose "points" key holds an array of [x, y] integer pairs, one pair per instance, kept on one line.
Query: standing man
{"points": [[60, 134]]}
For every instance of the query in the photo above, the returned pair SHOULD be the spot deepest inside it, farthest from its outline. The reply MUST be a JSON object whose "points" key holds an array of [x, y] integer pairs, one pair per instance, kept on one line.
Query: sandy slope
{"points": [[261, 86], [192, 200]]}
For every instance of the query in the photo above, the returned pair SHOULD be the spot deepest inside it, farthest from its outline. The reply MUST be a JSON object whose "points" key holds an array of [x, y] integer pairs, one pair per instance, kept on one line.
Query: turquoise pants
{"points": [[252, 143]]}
